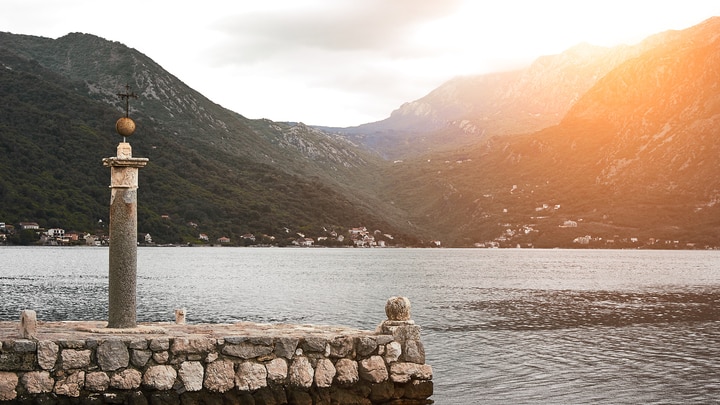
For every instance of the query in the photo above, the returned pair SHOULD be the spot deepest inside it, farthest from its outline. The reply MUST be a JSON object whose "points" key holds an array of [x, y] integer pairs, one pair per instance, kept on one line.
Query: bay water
{"points": [[499, 326]]}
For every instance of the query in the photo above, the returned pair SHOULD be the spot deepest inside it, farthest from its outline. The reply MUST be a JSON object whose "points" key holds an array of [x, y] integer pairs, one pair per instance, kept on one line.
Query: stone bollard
{"points": [[28, 324], [403, 329], [180, 316]]}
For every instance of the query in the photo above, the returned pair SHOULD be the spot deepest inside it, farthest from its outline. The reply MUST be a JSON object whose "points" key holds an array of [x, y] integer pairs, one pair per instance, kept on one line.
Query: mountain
{"points": [[634, 160], [214, 169], [464, 110]]}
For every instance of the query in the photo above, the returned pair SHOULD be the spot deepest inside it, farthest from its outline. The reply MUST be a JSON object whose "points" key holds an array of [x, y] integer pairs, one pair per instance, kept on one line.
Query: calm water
{"points": [[499, 326]]}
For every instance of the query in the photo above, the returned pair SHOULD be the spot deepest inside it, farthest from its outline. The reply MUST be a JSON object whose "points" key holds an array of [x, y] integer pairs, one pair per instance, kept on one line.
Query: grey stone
{"points": [[250, 376], [47, 354], [347, 371], [71, 384], [301, 372], [341, 346], [314, 344], [414, 352], [8, 386], [97, 381], [140, 357], [219, 376], [138, 344], [160, 377], [128, 379], [246, 350], [13, 361], [285, 347], [277, 370], [113, 355], [324, 373], [75, 359], [24, 346], [373, 369], [191, 374], [37, 382], [159, 344], [365, 346]]}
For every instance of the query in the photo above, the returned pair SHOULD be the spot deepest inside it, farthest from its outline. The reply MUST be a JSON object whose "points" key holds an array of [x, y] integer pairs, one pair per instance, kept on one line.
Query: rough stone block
{"points": [[140, 357], [247, 350], [347, 371], [418, 389], [285, 347], [183, 345], [113, 355], [37, 382], [277, 370], [24, 346], [159, 344], [314, 344], [414, 351], [301, 372], [161, 357], [13, 361], [75, 359], [373, 369], [219, 376], [341, 346], [71, 384], [250, 376], [324, 373], [393, 350], [8, 386], [404, 372], [128, 379], [160, 377], [97, 381], [365, 346], [191, 374], [47, 354]]}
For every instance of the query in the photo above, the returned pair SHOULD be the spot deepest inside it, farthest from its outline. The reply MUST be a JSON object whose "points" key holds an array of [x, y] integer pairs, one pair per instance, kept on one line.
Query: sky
{"points": [[346, 62]]}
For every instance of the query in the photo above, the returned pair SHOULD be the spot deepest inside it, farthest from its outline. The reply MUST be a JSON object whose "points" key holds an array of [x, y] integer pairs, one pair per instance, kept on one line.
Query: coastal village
{"points": [[31, 233], [512, 236]]}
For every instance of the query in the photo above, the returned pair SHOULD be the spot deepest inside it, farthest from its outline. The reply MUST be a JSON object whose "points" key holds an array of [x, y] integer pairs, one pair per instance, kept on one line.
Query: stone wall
{"points": [[199, 365]]}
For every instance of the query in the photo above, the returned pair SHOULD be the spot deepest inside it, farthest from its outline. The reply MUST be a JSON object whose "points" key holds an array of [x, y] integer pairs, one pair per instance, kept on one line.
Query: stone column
{"points": [[123, 236]]}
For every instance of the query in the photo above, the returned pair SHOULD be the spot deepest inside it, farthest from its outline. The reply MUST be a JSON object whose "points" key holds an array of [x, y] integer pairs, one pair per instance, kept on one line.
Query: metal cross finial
{"points": [[126, 96]]}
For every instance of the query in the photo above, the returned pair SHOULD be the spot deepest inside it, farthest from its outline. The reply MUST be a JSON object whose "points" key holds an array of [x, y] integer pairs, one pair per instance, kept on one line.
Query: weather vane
{"points": [[126, 126]]}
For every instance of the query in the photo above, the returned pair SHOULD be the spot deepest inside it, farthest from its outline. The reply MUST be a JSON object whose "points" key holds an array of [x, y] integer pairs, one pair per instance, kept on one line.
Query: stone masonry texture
{"points": [[243, 363]]}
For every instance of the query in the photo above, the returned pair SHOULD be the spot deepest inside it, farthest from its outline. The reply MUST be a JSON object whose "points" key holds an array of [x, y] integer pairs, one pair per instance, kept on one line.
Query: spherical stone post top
{"points": [[397, 309], [125, 126]]}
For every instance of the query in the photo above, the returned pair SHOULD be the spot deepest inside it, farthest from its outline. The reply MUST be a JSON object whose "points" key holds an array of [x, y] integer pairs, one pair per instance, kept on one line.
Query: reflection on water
{"points": [[541, 309], [499, 326]]}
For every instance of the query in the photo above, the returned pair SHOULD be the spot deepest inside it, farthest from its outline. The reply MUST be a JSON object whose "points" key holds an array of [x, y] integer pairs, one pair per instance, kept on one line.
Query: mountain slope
{"points": [[465, 110], [635, 157], [208, 166]]}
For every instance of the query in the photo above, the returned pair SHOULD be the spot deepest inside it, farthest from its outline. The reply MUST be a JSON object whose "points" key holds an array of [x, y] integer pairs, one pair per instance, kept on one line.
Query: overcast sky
{"points": [[345, 62]]}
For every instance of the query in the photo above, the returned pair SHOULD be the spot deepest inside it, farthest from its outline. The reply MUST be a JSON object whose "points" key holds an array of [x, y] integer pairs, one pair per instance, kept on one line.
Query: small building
{"points": [[29, 225], [203, 237], [223, 240]]}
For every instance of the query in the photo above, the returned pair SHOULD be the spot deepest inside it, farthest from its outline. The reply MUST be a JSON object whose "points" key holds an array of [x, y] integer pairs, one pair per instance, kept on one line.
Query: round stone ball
{"points": [[398, 309], [125, 126]]}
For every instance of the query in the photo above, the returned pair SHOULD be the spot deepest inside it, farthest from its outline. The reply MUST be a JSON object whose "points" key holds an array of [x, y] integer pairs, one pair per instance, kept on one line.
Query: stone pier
{"points": [[241, 363]]}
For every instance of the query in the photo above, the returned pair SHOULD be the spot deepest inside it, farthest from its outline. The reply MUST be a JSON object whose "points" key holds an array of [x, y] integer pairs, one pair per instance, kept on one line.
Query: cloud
{"points": [[383, 27]]}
